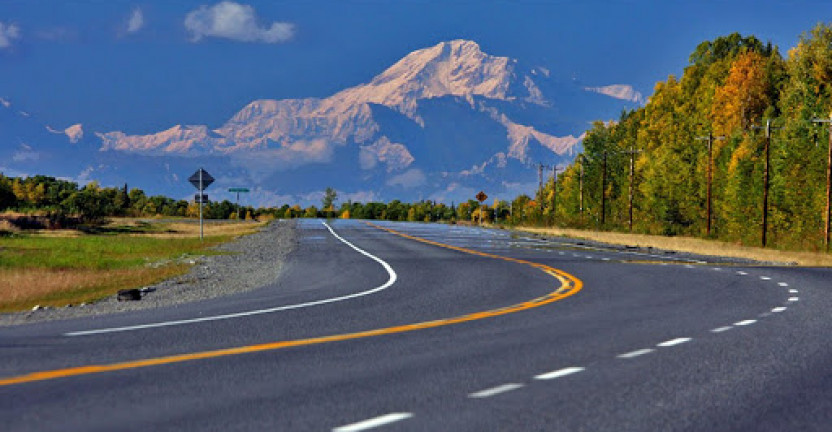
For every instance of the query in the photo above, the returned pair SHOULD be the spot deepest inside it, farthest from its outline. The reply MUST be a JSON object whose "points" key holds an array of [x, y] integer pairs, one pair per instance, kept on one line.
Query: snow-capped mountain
{"points": [[439, 123]]}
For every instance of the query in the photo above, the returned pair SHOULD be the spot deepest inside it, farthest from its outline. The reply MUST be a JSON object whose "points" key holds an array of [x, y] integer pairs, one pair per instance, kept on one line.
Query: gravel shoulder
{"points": [[247, 263]]}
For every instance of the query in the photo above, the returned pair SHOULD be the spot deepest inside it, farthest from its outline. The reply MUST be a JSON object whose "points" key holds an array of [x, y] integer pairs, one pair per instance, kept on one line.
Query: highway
{"points": [[423, 327]]}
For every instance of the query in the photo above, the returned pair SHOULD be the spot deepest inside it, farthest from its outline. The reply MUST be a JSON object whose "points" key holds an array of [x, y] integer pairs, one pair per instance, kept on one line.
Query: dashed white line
{"points": [[605, 259], [721, 329], [559, 373], [635, 353], [745, 322], [793, 291], [782, 284], [779, 309], [495, 390], [690, 266], [390, 281], [374, 422], [674, 342], [717, 269], [765, 278], [742, 273], [794, 299]]}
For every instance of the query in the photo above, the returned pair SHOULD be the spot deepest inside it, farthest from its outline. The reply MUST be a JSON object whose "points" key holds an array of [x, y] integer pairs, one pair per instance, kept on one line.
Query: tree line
{"points": [[63, 200], [732, 150]]}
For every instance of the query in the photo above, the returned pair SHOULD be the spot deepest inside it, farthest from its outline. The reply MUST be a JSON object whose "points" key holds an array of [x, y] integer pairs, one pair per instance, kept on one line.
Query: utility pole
{"points": [[710, 138], [555, 171], [828, 182], [604, 190], [767, 151], [632, 152]]}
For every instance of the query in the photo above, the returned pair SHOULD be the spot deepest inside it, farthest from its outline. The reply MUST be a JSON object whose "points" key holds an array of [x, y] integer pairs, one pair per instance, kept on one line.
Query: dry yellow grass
{"points": [[23, 288], [691, 245]]}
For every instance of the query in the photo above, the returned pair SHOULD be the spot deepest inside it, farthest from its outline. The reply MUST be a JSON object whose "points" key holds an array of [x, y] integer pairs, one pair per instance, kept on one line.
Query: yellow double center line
{"points": [[569, 286]]}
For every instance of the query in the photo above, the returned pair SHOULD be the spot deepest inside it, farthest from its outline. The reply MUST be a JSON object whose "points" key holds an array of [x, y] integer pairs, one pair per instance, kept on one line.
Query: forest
{"points": [[738, 149]]}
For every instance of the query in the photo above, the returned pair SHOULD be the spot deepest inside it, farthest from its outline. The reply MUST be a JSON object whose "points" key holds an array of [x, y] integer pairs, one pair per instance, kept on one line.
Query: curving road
{"points": [[434, 327]]}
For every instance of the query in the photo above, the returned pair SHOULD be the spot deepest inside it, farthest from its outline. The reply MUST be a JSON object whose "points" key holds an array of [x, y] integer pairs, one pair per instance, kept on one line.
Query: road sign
{"points": [[201, 176], [238, 190], [482, 196], [201, 199]]}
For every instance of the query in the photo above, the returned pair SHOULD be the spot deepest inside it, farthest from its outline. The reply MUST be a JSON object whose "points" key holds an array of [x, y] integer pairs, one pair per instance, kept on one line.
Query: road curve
{"points": [[478, 330]]}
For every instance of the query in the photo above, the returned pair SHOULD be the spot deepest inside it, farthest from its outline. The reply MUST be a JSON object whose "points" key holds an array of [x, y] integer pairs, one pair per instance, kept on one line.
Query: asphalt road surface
{"points": [[369, 329]]}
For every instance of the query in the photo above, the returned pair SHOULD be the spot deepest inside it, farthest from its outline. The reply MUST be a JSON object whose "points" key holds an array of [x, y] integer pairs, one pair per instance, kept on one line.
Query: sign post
{"points": [[237, 191], [481, 197], [201, 180]]}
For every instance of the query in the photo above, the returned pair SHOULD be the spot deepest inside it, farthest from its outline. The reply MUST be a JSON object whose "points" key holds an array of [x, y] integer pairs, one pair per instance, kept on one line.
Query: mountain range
{"points": [[442, 123]]}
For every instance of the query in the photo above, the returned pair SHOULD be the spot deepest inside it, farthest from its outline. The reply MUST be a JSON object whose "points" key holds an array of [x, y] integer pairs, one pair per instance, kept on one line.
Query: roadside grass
{"points": [[57, 268], [691, 245]]}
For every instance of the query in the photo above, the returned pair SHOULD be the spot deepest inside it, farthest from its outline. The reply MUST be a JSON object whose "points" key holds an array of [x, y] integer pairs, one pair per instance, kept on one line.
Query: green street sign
{"points": [[238, 190]]}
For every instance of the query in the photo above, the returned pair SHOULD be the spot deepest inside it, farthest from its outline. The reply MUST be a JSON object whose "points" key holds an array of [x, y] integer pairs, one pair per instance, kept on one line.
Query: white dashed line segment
{"points": [[742, 273], [559, 373], [745, 322], [779, 309], [793, 291], [373, 422], [794, 299], [721, 329], [495, 390], [674, 342], [635, 353], [765, 278], [782, 284]]}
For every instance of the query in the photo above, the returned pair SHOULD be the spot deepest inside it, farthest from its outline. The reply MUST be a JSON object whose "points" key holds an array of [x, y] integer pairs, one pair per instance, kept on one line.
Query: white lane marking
{"points": [[765, 278], [721, 329], [779, 309], [495, 390], [764, 314], [794, 299], [745, 322], [782, 284], [374, 422], [793, 291], [742, 273], [390, 281], [561, 253], [635, 353], [717, 269], [688, 266], [605, 259], [673, 342], [559, 373]]}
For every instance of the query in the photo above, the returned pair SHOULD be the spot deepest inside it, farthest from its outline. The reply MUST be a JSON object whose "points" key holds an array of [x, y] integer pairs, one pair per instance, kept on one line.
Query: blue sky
{"points": [[137, 66]]}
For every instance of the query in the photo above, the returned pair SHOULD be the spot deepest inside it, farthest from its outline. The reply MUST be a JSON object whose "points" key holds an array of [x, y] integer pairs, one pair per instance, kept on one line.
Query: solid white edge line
{"points": [[374, 422], [390, 281], [559, 373], [635, 353], [745, 322], [673, 342], [495, 390]]}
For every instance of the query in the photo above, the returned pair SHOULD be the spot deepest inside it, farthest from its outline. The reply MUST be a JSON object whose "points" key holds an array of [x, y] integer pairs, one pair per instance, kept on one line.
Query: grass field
{"points": [[56, 268], [692, 245]]}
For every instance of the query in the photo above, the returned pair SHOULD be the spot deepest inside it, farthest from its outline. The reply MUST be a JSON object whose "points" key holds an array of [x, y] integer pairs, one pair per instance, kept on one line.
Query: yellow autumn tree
{"points": [[743, 97]]}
